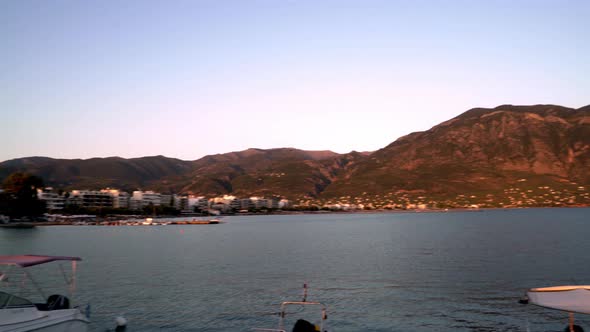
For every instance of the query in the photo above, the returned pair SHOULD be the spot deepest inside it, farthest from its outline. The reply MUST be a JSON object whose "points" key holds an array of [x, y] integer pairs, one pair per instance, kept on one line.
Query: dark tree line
{"points": [[19, 196]]}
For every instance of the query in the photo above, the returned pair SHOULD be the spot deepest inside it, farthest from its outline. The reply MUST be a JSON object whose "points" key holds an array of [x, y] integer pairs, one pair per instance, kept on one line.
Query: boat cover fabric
{"points": [[567, 298], [30, 260]]}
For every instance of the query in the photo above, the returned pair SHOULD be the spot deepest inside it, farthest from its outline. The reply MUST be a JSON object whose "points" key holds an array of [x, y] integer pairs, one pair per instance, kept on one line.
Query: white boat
{"points": [[301, 325], [571, 299], [18, 314]]}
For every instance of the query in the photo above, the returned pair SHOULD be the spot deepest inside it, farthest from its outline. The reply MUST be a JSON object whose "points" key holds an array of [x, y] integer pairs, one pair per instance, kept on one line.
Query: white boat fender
{"points": [[121, 324]]}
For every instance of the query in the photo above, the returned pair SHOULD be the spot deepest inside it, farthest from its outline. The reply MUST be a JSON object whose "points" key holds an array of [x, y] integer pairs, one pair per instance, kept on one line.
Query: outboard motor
{"points": [[58, 302], [304, 326], [121, 324]]}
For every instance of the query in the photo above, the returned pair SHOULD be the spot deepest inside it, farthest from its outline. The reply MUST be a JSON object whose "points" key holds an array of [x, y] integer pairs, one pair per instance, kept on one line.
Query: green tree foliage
{"points": [[20, 195]]}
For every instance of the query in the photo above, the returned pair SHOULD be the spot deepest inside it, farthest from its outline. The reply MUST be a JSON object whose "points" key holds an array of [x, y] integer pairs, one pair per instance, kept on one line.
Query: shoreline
{"points": [[407, 211], [204, 220]]}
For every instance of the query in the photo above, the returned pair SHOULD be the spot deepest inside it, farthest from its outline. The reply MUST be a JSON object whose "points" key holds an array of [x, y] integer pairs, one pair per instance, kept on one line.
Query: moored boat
{"points": [[571, 299], [57, 313], [301, 325]]}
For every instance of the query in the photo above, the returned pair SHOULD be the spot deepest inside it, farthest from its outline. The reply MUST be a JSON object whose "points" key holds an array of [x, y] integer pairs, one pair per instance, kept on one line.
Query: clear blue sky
{"points": [[184, 79]]}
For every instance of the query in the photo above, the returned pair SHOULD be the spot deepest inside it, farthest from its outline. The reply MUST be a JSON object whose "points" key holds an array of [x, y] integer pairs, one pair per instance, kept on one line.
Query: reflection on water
{"points": [[461, 271]]}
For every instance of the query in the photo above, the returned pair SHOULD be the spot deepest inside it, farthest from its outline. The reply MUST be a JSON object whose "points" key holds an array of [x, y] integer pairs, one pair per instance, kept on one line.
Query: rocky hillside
{"points": [[481, 151], [287, 172]]}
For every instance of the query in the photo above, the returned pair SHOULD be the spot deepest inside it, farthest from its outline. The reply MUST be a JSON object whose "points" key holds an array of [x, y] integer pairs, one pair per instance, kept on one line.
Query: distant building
{"points": [[121, 201], [53, 201], [272, 203], [90, 199], [220, 207], [120, 198], [166, 200], [226, 203], [284, 203], [134, 204], [233, 202], [259, 202], [246, 204], [141, 199], [183, 203]]}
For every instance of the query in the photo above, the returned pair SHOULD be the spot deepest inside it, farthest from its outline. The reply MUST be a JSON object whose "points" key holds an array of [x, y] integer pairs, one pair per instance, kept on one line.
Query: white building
{"points": [[272, 203], [120, 198], [90, 199], [121, 201], [141, 199], [246, 204], [134, 204], [259, 202], [53, 201], [232, 202], [166, 200], [220, 207], [198, 202], [284, 203], [183, 203]]}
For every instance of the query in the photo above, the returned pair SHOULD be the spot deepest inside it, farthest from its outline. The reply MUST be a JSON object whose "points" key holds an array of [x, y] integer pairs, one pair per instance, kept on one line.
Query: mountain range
{"points": [[482, 152]]}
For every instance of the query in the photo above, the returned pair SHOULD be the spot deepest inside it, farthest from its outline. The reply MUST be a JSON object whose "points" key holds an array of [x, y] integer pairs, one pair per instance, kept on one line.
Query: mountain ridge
{"points": [[480, 150]]}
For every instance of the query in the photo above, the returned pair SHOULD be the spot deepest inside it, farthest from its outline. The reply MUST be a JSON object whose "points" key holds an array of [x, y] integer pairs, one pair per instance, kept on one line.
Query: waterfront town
{"points": [[522, 196], [34, 200], [513, 197], [150, 200]]}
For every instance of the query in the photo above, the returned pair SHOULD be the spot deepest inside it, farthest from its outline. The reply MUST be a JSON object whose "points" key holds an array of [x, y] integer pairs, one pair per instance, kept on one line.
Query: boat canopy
{"points": [[31, 260], [566, 298]]}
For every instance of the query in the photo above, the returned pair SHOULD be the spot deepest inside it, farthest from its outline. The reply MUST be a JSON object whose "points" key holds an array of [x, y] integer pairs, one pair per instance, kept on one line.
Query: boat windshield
{"points": [[8, 301]]}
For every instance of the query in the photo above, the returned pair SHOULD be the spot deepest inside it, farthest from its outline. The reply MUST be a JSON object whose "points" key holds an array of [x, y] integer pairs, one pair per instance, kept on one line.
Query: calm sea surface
{"points": [[454, 271]]}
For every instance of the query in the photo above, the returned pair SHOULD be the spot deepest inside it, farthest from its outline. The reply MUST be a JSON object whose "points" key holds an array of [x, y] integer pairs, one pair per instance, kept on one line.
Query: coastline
{"points": [[381, 211], [204, 220]]}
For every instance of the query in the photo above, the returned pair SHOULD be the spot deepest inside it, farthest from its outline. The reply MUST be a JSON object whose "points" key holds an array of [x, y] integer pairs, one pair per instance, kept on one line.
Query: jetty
{"points": [[122, 222], [152, 222], [18, 225]]}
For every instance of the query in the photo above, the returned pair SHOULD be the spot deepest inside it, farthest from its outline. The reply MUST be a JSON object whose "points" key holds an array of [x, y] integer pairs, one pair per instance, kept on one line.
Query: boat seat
{"points": [[58, 302], [41, 306]]}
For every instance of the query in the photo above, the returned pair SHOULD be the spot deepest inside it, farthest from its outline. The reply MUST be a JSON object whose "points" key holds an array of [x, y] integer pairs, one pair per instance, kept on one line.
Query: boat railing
{"points": [[283, 312]]}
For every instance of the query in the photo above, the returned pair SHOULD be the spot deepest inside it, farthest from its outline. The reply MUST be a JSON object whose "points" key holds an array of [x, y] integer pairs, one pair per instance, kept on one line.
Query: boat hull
{"points": [[70, 320], [566, 298]]}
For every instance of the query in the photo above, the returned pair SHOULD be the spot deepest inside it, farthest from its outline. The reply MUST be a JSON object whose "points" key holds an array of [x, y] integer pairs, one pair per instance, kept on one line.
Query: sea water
{"points": [[447, 271]]}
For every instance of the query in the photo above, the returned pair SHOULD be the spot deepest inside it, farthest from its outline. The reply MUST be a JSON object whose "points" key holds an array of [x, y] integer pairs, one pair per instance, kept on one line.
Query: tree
{"points": [[20, 190]]}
